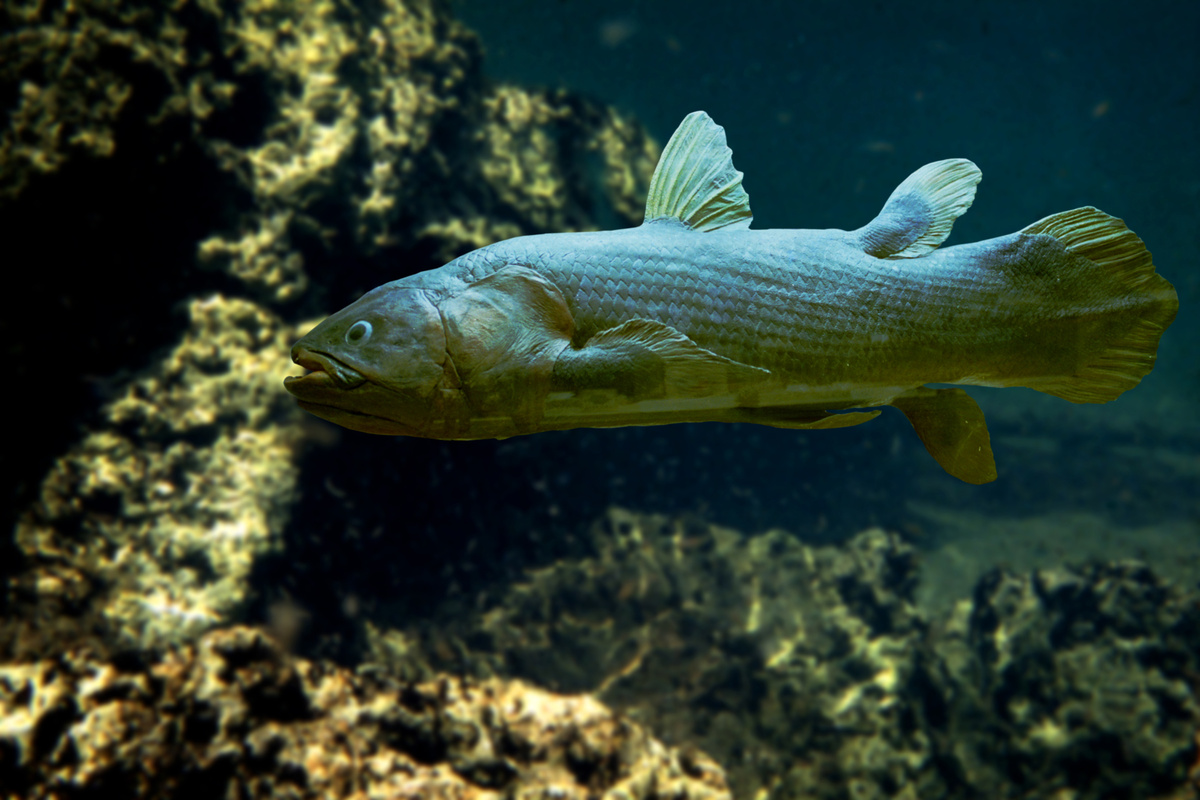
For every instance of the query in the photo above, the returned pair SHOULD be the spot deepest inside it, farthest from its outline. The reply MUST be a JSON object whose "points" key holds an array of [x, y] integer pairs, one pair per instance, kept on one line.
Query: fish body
{"points": [[694, 316]]}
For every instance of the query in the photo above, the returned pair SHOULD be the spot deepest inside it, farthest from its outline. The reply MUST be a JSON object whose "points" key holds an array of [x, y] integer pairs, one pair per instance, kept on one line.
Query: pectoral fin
{"points": [[642, 359], [953, 430]]}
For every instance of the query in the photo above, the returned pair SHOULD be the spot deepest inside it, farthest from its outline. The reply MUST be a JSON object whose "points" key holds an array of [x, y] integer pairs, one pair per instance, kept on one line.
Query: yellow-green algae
{"points": [[152, 523], [810, 672], [362, 126], [233, 715], [795, 657]]}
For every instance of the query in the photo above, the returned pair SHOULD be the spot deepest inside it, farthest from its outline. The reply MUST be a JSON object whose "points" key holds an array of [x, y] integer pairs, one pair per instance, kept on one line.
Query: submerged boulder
{"points": [[235, 714]]}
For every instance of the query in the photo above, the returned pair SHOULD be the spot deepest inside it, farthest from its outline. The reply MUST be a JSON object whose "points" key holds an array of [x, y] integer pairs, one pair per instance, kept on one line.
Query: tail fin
{"points": [[1128, 307]]}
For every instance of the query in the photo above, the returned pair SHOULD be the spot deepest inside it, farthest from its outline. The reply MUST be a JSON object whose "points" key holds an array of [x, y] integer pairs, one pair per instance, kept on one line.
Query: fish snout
{"points": [[324, 371]]}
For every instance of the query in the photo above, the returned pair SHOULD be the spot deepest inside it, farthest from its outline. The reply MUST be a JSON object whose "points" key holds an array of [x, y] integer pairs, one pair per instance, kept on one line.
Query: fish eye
{"points": [[359, 332]]}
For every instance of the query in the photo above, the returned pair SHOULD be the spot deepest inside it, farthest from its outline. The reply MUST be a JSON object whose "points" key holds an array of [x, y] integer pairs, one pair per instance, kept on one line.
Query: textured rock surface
{"points": [[809, 672], [339, 126], [234, 716], [799, 668], [1080, 681], [148, 528]]}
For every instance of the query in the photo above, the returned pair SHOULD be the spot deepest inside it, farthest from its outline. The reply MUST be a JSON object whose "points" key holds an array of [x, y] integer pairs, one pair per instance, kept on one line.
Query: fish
{"points": [[693, 316]]}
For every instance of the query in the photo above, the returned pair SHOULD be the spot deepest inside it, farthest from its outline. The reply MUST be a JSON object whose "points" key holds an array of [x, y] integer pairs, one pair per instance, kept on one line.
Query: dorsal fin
{"points": [[695, 181], [920, 213]]}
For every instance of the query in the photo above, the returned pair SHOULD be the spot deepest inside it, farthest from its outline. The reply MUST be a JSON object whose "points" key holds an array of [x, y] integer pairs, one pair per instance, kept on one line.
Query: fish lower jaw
{"points": [[325, 371], [310, 380], [356, 420]]}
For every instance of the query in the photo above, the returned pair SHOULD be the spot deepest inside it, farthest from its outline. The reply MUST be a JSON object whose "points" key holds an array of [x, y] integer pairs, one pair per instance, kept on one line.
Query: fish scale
{"points": [[784, 319]]}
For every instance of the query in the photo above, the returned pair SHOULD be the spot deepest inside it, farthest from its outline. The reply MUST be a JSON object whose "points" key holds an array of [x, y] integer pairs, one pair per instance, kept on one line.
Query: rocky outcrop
{"points": [[811, 673], [145, 532], [235, 714], [1080, 681]]}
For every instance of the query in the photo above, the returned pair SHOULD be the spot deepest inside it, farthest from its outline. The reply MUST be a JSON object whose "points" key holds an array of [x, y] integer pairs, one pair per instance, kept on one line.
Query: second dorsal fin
{"points": [[921, 211], [695, 181]]}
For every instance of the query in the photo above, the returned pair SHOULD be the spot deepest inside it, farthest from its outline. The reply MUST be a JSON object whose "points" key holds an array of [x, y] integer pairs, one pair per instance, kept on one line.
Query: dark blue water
{"points": [[828, 105]]}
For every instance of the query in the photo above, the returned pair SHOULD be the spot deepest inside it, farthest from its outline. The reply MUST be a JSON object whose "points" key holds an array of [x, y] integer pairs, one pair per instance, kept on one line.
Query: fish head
{"points": [[376, 366]]}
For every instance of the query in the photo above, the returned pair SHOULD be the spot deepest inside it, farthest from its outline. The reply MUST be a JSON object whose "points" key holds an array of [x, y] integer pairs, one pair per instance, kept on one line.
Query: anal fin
{"points": [[953, 430]]}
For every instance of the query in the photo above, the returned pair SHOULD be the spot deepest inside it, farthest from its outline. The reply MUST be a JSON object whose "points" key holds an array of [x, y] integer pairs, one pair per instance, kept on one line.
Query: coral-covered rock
{"points": [[809, 672], [235, 716], [148, 528], [340, 126], [1074, 680], [794, 665]]}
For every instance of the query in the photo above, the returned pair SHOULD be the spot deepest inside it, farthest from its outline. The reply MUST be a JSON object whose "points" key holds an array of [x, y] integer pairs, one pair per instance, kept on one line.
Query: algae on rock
{"points": [[234, 715], [790, 664], [1079, 680], [809, 672], [151, 524]]}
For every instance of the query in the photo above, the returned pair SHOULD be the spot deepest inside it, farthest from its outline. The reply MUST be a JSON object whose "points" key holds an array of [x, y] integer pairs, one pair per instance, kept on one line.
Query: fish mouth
{"points": [[324, 372], [323, 391]]}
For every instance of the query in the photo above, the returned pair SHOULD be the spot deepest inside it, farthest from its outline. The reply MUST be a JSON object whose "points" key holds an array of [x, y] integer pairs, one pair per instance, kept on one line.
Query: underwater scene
{"points": [[554, 399]]}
